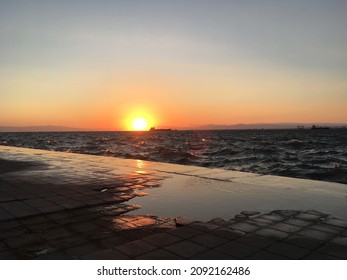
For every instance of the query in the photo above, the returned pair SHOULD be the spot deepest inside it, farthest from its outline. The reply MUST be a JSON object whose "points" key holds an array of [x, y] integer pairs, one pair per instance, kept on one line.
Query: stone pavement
{"points": [[68, 206]]}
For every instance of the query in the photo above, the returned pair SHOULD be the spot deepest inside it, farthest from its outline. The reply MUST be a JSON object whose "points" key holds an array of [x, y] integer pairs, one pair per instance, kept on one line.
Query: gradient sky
{"points": [[96, 64]]}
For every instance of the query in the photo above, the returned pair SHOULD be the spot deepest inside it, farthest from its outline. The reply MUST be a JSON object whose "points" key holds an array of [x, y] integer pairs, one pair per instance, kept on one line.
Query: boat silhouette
{"points": [[160, 129], [319, 127]]}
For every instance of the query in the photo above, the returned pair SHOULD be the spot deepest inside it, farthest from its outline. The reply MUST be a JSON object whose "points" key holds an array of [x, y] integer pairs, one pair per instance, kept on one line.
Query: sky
{"points": [[100, 64]]}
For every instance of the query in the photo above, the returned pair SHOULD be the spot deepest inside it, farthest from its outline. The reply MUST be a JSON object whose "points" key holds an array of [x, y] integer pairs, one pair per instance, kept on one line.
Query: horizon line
{"points": [[239, 126]]}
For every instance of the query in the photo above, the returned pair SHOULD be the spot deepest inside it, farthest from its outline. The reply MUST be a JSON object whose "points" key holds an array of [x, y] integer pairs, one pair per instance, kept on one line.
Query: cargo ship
{"points": [[160, 129], [319, 127]]}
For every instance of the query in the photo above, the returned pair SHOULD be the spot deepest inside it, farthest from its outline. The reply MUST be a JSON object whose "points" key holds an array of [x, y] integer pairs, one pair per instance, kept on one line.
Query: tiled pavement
{"points": [[67, 206]]}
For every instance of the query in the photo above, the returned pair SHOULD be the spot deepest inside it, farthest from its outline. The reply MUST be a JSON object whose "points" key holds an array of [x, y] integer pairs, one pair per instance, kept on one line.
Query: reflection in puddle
{"points": [[204, 199]]}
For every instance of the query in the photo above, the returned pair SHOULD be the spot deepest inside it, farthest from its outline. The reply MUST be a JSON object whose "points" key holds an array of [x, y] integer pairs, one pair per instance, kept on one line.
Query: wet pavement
{"points": [[57, 205]]}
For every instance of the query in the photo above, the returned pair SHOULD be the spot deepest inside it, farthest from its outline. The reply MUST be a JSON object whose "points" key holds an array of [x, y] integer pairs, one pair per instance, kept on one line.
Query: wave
{"points": [[291, 153]]}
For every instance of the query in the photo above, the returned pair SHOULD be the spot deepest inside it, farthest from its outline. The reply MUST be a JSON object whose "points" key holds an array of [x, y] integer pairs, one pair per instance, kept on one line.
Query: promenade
{"points": [[56, 205]]}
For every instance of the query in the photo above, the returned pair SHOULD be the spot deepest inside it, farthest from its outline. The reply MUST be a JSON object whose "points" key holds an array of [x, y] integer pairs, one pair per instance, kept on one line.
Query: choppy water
{"points": [[312, 154]]}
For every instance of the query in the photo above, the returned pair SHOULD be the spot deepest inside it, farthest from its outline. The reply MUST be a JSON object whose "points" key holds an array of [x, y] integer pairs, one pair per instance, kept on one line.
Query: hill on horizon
{"points": [[44, 128]]}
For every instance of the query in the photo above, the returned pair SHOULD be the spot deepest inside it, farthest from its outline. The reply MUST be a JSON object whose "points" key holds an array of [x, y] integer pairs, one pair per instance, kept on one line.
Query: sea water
{"points": [[301, 153]]}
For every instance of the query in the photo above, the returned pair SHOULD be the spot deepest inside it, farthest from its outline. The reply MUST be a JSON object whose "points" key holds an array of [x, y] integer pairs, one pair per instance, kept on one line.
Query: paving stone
{"points": [[244, 227], [317, 213], [326, 228], [83, 227], [83, 250], [35, 250], [4, 216], [315, 234], [67, 242], [259, 223], [58, 215], [272, 217], [286, 213], [236, 250], [264, 255], [13, 232], [107, 254], [304, 242], [218, 221], [298, 222], [38, 202], [288, 250], [86, 217], [42, 227], [185, 249], [34, 220], [340, 241], [6, 225], [255, 241], [135, 248], [272, 233], [3, 246], [28, 239], [250, 213], [56, 233], [208, 240], [212, 255], [58, 255], [320, 256], [23, 212], [336, 222], [227, 233], [286, 227], [309, 217], [203, 226], [8, 255], [112, 242], [102, 233], [334, 249], [162, 239], [159, 254], [164, 227], [263, 221], [241, 217], [50, 209], [185, 232], [183, 221], [144, 222]]}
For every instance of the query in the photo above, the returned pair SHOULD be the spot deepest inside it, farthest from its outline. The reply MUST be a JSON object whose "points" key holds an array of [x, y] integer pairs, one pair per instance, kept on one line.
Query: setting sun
{"points": [[139, 124]]}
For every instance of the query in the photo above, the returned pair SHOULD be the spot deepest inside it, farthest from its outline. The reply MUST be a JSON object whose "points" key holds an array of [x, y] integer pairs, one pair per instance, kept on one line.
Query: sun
{"points": [[139, 124]]}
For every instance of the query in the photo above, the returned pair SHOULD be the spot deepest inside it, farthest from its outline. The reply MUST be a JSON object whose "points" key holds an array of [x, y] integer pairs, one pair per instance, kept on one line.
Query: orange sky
{"points": [[231, 63]]}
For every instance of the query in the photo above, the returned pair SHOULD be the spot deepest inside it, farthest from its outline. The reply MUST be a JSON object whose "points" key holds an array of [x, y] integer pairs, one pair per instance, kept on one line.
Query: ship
{"points": [[319, 127], [159, 129]]}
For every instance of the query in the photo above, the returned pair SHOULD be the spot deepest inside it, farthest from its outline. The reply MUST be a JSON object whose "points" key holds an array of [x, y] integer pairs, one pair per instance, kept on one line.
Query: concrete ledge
{"points": [[70, 206]]}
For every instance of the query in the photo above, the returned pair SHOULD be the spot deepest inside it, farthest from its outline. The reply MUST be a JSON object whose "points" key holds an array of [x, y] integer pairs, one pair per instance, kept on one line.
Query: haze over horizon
{"points": [[240, 126], [99, 64]]}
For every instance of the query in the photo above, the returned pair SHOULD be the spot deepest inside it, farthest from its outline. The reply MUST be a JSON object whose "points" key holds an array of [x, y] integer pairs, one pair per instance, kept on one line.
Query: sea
{"points": [[300, 153]]}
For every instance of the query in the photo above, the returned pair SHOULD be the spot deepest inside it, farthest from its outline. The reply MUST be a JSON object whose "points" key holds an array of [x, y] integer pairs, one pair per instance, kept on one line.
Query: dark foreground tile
{"points": [[256, 241], [320, 256], [107, 254], [212, 255], [334, 250], [162, 239], [264, 255], [208, 240], [135, 248], [185, 249], [288, 250], [159, 254], [236, 250], [272, 233]]}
